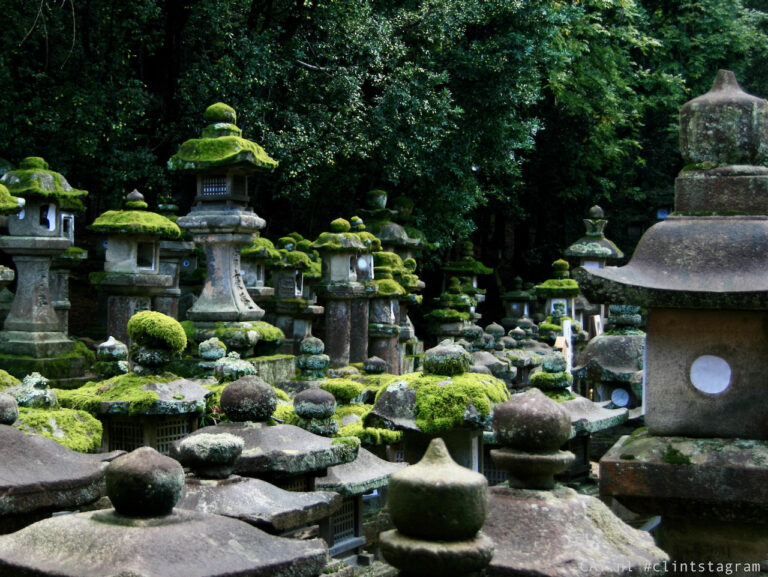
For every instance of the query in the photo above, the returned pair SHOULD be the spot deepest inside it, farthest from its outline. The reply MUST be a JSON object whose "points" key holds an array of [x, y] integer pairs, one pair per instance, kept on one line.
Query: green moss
{"points": [[291, 259], [125, 388], [551, 381], [136, 205], [442, 402], [268, 332], [55, 368], [371, 436], [8, 204], [74, 253], [189, 331], [371, 242], [675, 457], [560, 396], [8, 380], [558, 287], [261, 247], [284, 412], [156, 330], [339, 242], [33, 179], [388, 287], [340, 225], [137, 222], [344, 390], [220, 112], [468, 266], [375, 382], [447, 316], [351, 442], [76, 430], [220, 151]]}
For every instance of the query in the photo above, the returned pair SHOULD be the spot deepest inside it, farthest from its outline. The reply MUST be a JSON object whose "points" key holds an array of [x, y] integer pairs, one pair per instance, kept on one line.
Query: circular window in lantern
{"points": [[620, 397], [710, 374]]}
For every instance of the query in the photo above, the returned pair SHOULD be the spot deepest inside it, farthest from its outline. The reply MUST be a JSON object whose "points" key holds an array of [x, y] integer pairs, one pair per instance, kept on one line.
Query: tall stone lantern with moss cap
{"points": [[132, 273], [38, 233], [9, 205], [220, 219], [703, 463], [339, 288]]}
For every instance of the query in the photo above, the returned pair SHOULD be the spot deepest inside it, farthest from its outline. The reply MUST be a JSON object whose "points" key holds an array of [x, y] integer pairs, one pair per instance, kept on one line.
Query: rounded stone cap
{"points": [[596, 212], [220, 112], [112, 350], [9, 409], [211, 455], [314, 403], [311, 346], [375, 365], [248, 398], [144, 483], [437, 499], [447, 359], [554, 363], [724, 126], [531, 421], [495, 330]]}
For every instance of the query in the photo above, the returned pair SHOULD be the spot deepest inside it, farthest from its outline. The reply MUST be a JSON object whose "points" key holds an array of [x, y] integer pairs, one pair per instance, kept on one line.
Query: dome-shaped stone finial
{"points": [[316, 407], [220, 112], [596, 212], [447, 359], [248, 398], [532, 427], [724, 126], [375, 366], [211, 456], [438, 508], [144, 483], [9, 409]]}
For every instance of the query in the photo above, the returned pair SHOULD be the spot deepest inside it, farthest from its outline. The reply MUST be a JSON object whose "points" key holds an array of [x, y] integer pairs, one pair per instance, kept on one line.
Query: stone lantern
{"points": [[9, 205], [253, 259], [593, 250], [38, 233], [339, 287], [132, 274], [516, 304], [220, 219], [701, 273]]}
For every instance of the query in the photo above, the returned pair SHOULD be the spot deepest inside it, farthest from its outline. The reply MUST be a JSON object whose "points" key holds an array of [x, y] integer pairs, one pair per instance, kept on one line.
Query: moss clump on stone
{"points": [[551, 381], [8, 204], [441, 407], [33, 179], [56, 367], [8, 380], [447, 316], [468, 266], [674, 456], [213, 151], [220, 112], [340, 225], [136, 222], [291, 259], [268, 332], [152, 329], [76, 430], [339, 242], [558, 287], [344, 390], [261, 247], [387, 287], [126, 388]]}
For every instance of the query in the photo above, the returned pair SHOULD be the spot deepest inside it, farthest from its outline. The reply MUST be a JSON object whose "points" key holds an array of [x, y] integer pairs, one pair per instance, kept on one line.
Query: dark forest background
{"points": [[504, 120]]}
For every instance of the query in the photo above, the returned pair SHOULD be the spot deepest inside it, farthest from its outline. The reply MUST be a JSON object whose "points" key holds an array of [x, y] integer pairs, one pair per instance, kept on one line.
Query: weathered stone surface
{"points": [[679, 476], [282, 450], [611, 358], [590, 417], [364, 474], [258, 503], [418, 558], [446, 359], [39, 474], [724, 126], [563, 534], [436, 499], [144, 483], [532, 422], [248, 398], [211, 456], [9, 409], [727, 271], [178, 397], [314, 403], [182, 544]]}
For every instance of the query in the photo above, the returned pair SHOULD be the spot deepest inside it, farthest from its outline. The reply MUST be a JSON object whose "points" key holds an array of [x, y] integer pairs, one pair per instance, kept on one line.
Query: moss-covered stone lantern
{"points": [[253, 259], [132, 273], [339, 288], [293, 307], [220, 219], [38, 233], [701, 273], [467, 269], [9, 205]]}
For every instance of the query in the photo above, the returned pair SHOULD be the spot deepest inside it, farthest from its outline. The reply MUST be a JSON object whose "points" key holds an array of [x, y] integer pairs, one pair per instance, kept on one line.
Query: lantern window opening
{"points": [[145, 255]]}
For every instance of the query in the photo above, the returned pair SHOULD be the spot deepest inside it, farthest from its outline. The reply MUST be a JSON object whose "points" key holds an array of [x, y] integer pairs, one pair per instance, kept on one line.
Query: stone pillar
{"points": [[384, 332], [338, 323], [171, 253], [359, 330]]}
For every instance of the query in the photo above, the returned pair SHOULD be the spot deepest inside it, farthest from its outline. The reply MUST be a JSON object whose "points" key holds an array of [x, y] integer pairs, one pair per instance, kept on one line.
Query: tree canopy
{"points": [[507, 117]]}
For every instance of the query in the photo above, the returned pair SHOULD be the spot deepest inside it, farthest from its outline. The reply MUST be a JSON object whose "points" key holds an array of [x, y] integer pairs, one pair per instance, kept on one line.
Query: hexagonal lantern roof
{"points": [[34, 179]]}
